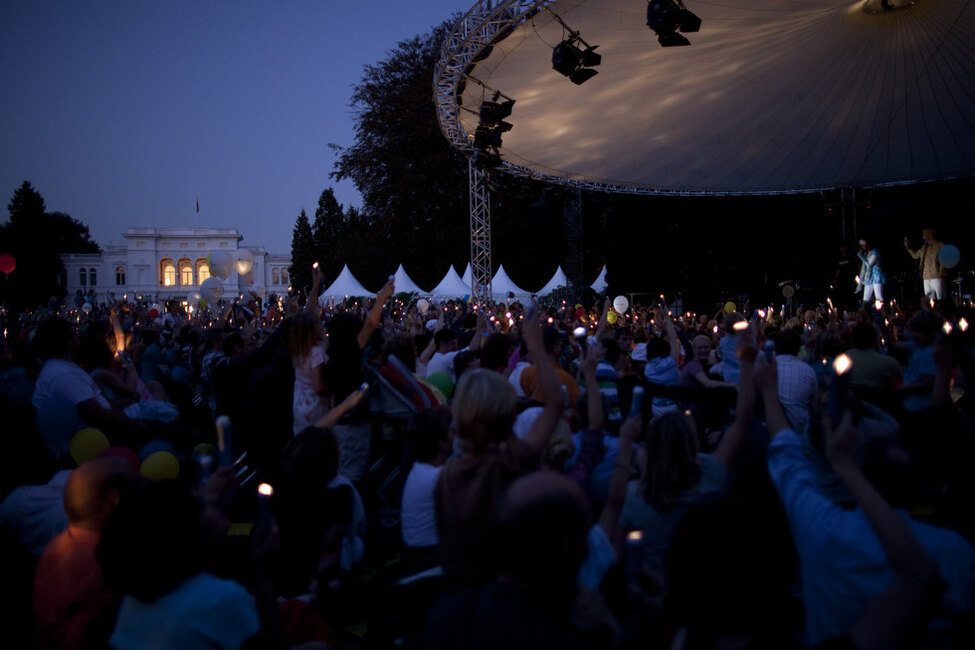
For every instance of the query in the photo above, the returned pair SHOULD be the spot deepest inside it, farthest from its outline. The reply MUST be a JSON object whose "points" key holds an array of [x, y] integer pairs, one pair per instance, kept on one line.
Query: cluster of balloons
{"points": [[223, 263], [156, 460]]}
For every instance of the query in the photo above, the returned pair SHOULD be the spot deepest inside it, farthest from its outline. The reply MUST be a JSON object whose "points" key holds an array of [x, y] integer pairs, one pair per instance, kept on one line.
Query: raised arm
{"points": [[767, 378], [734, 437], [609, 519], [897, 616], [545, 424], [375, 313]]}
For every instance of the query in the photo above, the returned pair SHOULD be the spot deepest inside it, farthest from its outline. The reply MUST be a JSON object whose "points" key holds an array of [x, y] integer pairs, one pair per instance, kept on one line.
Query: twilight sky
{"points": [[122, 113]]}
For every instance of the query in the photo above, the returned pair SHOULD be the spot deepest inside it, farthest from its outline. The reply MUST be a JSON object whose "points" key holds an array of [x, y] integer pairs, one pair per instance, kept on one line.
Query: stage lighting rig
{"points": [[491, 124], [666, 17], [573, 61]]}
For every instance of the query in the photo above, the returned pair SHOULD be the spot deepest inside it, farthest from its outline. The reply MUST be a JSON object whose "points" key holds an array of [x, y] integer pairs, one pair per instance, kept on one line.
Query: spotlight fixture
{"points": [[491, 124], [666, 17], [576, 63], [492, 112]]}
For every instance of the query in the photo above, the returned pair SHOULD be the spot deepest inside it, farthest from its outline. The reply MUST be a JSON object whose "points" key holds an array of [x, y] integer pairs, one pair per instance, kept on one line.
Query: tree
{"points": [[328, 232], [302, 253], [413, 183], [37, 238]]}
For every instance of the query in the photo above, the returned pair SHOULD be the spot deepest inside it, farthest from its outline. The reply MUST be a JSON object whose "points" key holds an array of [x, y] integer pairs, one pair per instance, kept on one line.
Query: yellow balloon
{"points": [[729, 307], [160, 466], [88, 443], [611, 317]]}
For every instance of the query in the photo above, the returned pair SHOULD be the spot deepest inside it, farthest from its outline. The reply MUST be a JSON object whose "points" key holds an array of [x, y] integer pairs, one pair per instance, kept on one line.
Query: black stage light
{"points": [[573, 62], [582, 75], [493, 112], [665, 17], [486, 159]]}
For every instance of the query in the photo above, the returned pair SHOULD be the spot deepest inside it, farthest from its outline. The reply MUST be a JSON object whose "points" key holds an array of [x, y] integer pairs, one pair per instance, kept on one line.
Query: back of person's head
{"points": [[495, 352], [52, 339], [484, 410], [551, 338], [543, 523], [401, 346], [612, 349], [309, 459], [671, 459], [426, 432], [305, 333], [95, 489], [232, 342], [153, 542], [925, 323], [444, 336], [864, 336], [787, 342], [657, 348]]}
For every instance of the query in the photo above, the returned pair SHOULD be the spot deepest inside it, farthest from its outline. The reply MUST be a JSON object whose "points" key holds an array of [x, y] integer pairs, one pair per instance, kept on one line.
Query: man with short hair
{"points": [[932, 273], [797, 380]]}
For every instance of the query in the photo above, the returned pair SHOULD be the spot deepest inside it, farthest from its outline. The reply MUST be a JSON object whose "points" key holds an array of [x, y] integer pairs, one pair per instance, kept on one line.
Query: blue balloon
{"points": [[949, 256], [153, 446]]}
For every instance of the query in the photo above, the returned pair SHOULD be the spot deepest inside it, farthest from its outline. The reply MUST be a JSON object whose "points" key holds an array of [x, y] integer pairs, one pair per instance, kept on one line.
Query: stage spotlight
{"points": [[574, 62], [487, 136], [486, 159], [492, 112], [665, 17]]}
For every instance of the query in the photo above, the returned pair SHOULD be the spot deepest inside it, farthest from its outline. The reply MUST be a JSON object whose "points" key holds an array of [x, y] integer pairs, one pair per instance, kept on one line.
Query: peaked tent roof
{"points": [[451, 286], [558, 280], [600, 284], [404, 283], [345, 285], [502, 285]]}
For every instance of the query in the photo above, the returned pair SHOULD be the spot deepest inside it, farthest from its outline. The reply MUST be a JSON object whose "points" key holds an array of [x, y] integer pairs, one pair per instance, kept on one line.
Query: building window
{"points": [[185, 272], [201, 244], [284, 275], [202, 270], [119, 275], [91, 277], [167, 272], [275, 276], [184, 244], [84, 277]]}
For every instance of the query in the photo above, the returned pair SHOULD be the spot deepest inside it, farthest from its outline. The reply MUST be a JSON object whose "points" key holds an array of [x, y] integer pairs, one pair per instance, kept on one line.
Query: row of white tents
{"points": [[452, 285]]}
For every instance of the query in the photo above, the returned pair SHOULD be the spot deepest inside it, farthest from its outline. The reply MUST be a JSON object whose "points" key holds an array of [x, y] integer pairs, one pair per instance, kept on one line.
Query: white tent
{"points": [[468, 276], [345, 285], [451, 286], [599, 286], [558, 280], [404, 283], [501, 286]]}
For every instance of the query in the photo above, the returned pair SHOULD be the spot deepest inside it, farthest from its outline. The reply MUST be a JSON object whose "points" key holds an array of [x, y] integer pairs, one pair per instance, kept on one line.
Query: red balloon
{"points": [[153, 313], [7, 263]]}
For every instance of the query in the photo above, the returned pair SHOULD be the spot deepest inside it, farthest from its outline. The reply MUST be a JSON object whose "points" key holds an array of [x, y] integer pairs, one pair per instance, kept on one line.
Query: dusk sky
{"points": [[123, 113]]}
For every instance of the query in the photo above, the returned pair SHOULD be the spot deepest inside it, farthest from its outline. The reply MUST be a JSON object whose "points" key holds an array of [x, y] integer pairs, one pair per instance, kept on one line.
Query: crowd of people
{"points": [[403, 472]]}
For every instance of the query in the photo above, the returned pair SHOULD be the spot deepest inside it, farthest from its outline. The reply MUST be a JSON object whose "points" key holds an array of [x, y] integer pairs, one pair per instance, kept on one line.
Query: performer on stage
{"points": [[932, 273], [872, 278]]}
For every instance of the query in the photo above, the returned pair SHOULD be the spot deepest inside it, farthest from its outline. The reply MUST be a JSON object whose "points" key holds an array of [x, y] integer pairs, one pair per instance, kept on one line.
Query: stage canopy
{"points": [[770, 96]]}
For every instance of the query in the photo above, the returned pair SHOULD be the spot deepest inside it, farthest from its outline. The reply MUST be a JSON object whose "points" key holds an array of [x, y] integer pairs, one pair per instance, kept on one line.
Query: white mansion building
{"points": [[169, 263]]}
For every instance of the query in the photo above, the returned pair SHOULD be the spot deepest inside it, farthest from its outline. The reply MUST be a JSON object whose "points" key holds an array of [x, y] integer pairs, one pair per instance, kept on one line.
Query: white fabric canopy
{"points": [[599, 286], [501, 286], [451, 286], [558, 280], [345, 285], [404, 283]]}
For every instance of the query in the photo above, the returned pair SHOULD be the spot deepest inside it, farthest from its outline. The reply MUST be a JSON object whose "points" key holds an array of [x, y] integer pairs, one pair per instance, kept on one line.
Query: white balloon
{"points": [[86, 307], [193, 299], [423, 305], [211, 290], [221, 264], [621, 304], [245, 261], [259, 289]]}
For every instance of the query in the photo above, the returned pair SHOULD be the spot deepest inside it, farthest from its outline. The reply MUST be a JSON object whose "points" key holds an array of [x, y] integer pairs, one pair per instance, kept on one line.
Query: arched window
{"points": [[185, 272], [84, 277], [91, 277], [119, 275], [275, 276], [202, 269], [167, 272], [284, 275]]}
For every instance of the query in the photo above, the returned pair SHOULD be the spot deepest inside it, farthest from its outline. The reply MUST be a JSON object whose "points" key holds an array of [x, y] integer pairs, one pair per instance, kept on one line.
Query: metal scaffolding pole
{"points": [[480, 234]]}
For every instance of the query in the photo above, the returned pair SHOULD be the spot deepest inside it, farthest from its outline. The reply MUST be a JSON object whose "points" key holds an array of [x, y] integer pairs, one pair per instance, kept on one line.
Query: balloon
{"points": [[125, 454], [949, 256], [153, 446], [7, 263], [423, 305], [160, 466], [221, 264], [580, 313], [612, 317], [621, 304], [180, 375], [211, 290], [86, 307], [193, 299], [87, 444], [442, 382], [245, 261], [729, 307], [258, 289]]}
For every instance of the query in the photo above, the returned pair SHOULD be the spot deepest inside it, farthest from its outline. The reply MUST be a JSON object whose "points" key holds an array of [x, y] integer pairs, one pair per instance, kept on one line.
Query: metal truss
{"points": [[480, 234]]}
